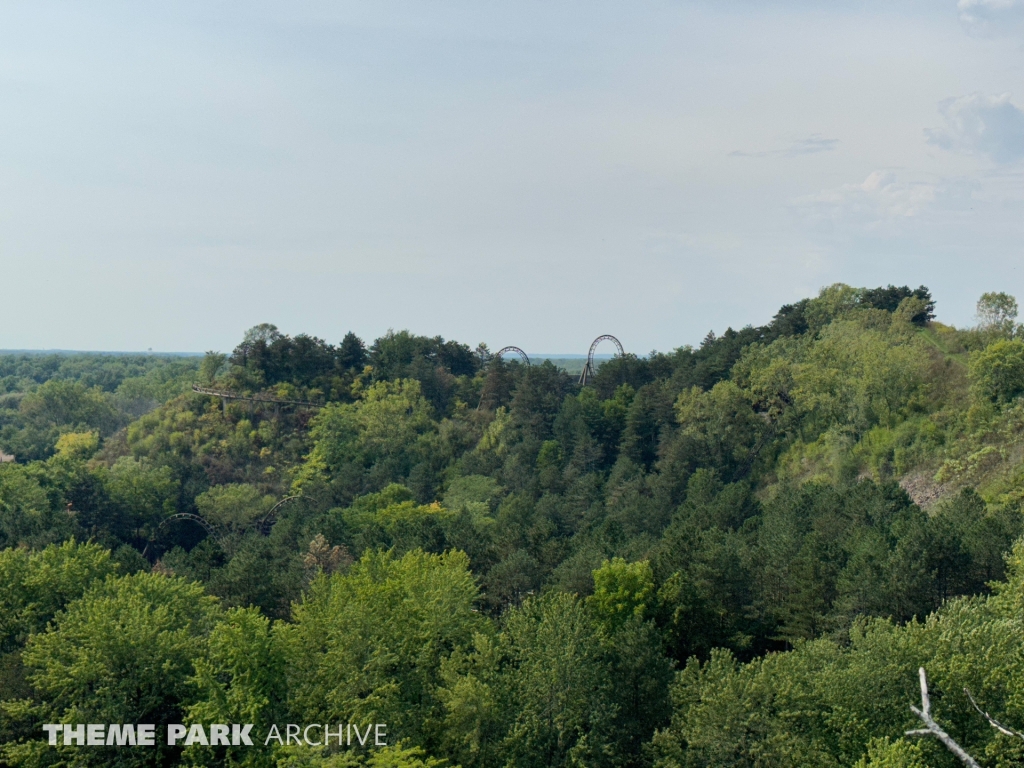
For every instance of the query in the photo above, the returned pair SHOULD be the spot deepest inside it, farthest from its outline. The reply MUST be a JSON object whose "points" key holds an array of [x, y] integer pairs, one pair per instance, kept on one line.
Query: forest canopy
{"points": [[736, 554]]}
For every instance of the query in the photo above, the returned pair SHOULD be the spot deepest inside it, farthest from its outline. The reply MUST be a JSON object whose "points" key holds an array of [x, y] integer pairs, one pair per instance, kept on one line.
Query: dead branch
{"points": [[1005, 730], [933, 729]]}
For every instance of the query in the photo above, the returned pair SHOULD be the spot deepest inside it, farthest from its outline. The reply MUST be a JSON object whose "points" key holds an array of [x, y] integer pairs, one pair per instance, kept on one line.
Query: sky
{"points": [[528, 173]]}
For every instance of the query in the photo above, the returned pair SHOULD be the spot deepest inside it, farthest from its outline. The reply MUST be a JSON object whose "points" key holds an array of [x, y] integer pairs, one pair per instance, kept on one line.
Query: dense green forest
{"points": [[732, 555]]}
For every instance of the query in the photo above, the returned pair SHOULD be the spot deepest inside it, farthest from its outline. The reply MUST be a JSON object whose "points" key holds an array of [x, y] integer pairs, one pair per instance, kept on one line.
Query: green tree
{"points": [[398, 756], [233, 506], [352, 351], [472, 490], [885, 753], [997, 313], [261, 571], [141, 496], [623, 600], [211, 365], [26, 514], [622, 591], [122, 653], [34, 586], [369, 642], [997, 372], [70, 403], [718, 429], [558, 684], [242, 679], [379, 433]]}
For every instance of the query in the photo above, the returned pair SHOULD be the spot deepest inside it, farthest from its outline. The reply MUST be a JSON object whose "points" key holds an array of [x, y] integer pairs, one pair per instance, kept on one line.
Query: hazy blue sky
{"points": [[528, 173]]}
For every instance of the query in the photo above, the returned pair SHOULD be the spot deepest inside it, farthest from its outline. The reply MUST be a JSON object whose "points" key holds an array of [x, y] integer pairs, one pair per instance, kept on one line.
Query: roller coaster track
{"points": [[590, 369], [254, 399], [211, 530], [517, 350], [217, 533], [264, 525]]}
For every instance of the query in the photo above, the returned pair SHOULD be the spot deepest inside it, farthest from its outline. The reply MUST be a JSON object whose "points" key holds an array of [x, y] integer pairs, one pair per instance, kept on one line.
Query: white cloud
{"points": [[812, 145], [990, 15], [881, 197], [979, 124]]}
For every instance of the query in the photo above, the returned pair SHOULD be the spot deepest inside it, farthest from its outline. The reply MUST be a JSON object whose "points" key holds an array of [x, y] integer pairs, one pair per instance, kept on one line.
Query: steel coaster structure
{"points": [[262, 526], [497, 356], [268, 520], [211, 530], [225, 396], [588, 369], [517, 350]]}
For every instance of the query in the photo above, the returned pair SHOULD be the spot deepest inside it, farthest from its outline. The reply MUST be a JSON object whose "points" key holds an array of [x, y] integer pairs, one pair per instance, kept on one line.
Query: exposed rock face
{"points": [[923, 489]]}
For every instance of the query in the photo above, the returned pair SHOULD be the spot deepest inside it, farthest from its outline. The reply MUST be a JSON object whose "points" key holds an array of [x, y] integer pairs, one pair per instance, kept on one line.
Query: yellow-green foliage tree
{"points": [[35, 585], [368, 643], [380, 434], [997, 372], [122, 653], [242, 678]]}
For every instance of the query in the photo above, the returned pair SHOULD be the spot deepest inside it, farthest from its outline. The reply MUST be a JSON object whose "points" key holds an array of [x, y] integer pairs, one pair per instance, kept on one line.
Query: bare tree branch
{"points": [[933, 729], [992, 721]]}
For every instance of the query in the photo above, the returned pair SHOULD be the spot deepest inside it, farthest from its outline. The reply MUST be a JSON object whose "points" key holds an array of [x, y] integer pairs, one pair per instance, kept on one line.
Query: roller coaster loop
{"points": [[517, 350], [211, 530], [263, 525], [589, 370]]}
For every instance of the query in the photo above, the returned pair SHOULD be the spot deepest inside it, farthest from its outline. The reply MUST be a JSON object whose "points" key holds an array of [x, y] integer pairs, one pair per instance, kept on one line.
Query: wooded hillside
{"points": [[731, 555]]}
